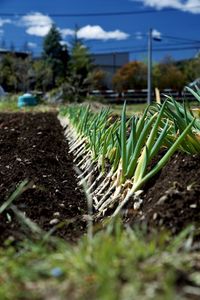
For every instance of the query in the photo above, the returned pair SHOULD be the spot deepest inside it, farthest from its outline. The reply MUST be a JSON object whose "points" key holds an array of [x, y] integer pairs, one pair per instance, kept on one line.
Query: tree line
{"points": [[75, 72], [55, 67], [166, 74]]}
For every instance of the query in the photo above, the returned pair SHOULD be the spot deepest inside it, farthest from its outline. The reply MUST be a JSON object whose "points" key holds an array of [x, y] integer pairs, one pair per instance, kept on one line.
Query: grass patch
{"points": [[116, 264], [10, 105], [131, 109]]}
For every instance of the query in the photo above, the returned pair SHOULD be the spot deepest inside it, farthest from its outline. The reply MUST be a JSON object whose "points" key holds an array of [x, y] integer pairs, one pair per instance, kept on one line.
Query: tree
{"points": [[16, 73], [24, 73], [56, 55], [132, 75], [192, 69], [80, 68], [43, 75], [98, 79], [8, 78], [80, 61], [167, 75]]}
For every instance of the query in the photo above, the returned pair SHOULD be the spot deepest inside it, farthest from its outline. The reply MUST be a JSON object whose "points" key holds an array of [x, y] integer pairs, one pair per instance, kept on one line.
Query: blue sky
{"points": [[177, 22]]}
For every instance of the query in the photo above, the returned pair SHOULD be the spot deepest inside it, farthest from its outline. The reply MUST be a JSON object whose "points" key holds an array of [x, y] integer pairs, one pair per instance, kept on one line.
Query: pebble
{"points": [[137, 204], [193, 205], [155, 216], [54, 221], [162, 200], [87, 218], [56, 214], [189, 187]]}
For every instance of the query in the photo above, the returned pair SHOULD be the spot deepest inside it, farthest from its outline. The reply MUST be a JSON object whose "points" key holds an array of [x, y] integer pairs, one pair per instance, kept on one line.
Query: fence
{"points": [[139, 96]]}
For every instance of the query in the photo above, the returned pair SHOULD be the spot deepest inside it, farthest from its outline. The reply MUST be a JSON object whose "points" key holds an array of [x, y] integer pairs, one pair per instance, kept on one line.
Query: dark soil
{"points": [[171, 200], [33, 147]]}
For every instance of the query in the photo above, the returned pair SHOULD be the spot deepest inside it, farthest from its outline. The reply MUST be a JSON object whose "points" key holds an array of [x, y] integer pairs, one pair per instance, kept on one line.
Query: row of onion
{"points": [[115, 154]]}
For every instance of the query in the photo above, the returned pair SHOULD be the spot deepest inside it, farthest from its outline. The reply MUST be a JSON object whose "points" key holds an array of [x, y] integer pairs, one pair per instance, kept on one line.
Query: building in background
{"points": [[110, 63], [21, 54]]}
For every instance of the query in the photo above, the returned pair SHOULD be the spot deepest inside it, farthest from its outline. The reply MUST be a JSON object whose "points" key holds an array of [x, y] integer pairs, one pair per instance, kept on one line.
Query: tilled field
{"points": [[33, 147]]}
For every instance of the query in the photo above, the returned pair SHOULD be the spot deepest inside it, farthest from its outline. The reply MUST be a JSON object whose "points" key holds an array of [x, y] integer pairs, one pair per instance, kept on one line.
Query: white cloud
{"points": [[36, 23], [36, 19], [31, 45], [95, 32], [1, 32], [138, 35], [192, 6], [66, 32], [156, 34], [98, 33], [65, 43], [38, 30], [4, 21], [39, 24]]}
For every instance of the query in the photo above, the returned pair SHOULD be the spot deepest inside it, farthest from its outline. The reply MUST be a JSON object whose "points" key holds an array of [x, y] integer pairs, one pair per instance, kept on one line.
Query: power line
{"points": [[130, 48], [176, 49], [170, 44], [135, 35], [139, 49], [142, 50], [180, 38], [99, 14]]}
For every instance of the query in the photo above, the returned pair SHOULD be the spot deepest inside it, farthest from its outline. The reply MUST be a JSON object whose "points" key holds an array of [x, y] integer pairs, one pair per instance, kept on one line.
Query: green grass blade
{"points": [[195, 94], [19, 190], [141, 122], [123, 142], [140, 144], [164, 159], [142, 165], [157, 145]]}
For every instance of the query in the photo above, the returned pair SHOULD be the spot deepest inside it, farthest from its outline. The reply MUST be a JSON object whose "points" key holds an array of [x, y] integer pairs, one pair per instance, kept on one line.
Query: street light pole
{"points": [[149, 79]]}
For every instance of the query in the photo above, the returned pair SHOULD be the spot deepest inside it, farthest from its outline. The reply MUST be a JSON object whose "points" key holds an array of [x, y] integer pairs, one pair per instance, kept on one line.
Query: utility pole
{"points": [[114, 62], [149, 78]]}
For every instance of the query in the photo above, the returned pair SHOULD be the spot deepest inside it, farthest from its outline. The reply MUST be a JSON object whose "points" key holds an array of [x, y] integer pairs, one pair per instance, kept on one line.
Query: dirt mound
{"points": [[33, 147], [172, 198]]}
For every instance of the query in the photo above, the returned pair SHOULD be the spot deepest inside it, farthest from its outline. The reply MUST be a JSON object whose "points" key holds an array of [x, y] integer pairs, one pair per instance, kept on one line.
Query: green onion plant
{"points": [[122, 150]]}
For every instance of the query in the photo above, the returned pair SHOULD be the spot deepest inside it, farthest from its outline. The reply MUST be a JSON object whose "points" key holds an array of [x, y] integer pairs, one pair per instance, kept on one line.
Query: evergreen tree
{"points": [[56, 55], [43, 75], [80, 61], [80, 67]]}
